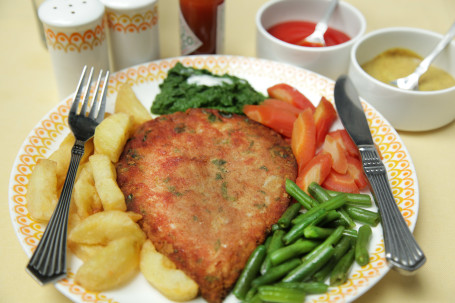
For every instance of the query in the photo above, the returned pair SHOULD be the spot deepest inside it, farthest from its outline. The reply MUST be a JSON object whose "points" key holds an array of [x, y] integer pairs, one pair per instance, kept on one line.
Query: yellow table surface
{"points": [[28, 91]]}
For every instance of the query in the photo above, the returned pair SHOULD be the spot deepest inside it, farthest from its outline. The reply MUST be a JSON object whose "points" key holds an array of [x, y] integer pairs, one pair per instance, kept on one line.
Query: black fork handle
{"points": [[48, 262]]}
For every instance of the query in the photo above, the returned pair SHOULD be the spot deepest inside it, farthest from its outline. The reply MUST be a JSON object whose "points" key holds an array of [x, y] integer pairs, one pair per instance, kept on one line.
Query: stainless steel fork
{"points": [[48, 262]]}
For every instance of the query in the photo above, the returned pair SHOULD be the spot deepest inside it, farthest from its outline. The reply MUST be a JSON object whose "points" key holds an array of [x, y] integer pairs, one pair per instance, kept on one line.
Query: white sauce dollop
{"points": [[207, 80]]}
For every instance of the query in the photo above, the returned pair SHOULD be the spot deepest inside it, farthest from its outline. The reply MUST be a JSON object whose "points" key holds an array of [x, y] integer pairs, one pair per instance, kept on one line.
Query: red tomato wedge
{"points": [[343, 138], [303, 140], [340, 162], [316, 170], [290, 95], [355, 169], [340, 182], [324, 116], [282, 121]]}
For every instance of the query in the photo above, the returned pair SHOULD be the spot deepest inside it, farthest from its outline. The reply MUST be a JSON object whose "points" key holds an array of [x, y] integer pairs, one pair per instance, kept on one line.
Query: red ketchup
{"points": [[201, 26], [295, 32]]}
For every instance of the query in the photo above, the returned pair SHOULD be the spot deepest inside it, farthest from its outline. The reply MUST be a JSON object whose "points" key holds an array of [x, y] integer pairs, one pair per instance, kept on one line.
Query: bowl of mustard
{"points": [[387, 54]]}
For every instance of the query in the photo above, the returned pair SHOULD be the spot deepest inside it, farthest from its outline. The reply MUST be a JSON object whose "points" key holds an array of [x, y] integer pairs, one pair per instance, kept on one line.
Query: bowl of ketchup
{"points": [[282, 26]]}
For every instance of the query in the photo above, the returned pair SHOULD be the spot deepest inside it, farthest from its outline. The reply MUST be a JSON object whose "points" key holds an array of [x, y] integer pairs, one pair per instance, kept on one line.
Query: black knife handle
{"points": [[402, 250]]}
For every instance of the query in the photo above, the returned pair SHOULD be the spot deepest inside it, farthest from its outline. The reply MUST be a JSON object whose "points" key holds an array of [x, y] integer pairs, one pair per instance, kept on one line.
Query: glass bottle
{"points": [[201, 26]]}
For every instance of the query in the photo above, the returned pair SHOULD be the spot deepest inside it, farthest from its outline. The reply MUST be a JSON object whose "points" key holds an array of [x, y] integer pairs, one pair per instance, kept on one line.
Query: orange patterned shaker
{"points": [[133, 31], [75, 36]]}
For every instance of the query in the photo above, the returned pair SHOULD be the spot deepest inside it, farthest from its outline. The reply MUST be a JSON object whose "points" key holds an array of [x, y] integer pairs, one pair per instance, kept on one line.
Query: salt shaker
{"points": [[201, 26], [76, 36], [133, 31]]}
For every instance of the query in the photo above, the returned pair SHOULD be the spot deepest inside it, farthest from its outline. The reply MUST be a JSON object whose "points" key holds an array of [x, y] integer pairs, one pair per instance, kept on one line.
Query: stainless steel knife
{"points": [[401, 249]]}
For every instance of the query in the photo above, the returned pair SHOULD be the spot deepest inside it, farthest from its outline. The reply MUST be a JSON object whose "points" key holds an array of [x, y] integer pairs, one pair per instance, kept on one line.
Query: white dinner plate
{"points": [[145, 80]]}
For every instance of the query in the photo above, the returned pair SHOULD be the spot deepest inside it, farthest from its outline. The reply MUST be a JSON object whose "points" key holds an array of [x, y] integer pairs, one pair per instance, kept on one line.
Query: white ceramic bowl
{"points": [[405, 110], [329, 61]]}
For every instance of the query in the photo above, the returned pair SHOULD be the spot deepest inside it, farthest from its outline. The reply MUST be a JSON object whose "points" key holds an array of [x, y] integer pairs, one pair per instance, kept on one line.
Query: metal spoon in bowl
{"points": [[317, 37], [411, 82]]}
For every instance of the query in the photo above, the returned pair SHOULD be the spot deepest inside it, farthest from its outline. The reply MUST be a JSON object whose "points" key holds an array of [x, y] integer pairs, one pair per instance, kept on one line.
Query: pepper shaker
{"points": [[133, 31], [75, 36]]}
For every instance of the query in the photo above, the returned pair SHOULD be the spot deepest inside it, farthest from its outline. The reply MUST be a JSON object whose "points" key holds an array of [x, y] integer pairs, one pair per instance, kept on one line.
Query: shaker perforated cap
{"points": [[127, 5], [70, 13]]}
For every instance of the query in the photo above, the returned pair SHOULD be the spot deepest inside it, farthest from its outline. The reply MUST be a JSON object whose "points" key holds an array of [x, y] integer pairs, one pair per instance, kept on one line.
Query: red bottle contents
{"points": [[295, 32], [204, 19]]}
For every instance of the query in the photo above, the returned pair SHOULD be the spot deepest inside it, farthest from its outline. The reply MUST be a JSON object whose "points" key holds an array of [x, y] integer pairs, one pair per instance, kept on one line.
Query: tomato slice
{"points": [[289, 94], [343, 138], [340, 162], [355, 169], [282, 105], [303, 140], [340, 182], [316, 170], [324, 116], [280, 120]]}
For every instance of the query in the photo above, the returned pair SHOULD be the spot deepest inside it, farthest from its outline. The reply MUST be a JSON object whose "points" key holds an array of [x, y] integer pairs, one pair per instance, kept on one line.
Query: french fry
{"points": [[42, 190], [86, 198], [63, 156], [106, 186], [111, 266], [127, 102], [111, 135], [134, 216], [164, 276], [106, 226], [84, 251]]}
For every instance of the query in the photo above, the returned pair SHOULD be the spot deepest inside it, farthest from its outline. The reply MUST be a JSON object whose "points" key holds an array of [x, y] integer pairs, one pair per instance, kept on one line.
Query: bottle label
{"points": [[189, 42]]}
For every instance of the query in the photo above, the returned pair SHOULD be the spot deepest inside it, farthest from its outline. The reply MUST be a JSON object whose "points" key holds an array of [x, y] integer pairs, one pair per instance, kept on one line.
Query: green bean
{"points": [[321, 195], [290, 213], [299, 195], [267, 241], [352, 233], [331, 204], [354, 199], [339, 273], [307, 287], [363, 216], [340, 249], [338, 222], [275, 227], [254, 299], [310, 263], [279, 294], [318, 192], [276, 273], [316, 232], [316, 258], [296, 249], [275, 243], [345, 216], [331, 216], [296, 230], [335, 237], [361, 247], [249, 272], [250, 294]]}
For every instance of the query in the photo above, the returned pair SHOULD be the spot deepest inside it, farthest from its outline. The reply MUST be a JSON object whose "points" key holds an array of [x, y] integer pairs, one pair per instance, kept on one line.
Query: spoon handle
{"points": [[425, 64], [325, 20]]}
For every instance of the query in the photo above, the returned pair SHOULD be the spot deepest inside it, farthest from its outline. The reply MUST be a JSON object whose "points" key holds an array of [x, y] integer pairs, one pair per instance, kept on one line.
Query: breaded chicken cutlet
{"points": [[209, 187]]}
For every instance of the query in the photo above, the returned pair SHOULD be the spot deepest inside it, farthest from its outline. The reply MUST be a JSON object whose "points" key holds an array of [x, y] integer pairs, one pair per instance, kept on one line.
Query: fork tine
{"points": [[95, 97], [102, 106], [77, 96], [87, 93]]}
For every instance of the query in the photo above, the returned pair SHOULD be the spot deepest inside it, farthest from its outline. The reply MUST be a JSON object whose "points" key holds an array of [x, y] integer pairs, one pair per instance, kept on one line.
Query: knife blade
{"points": [[401, 249]]}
